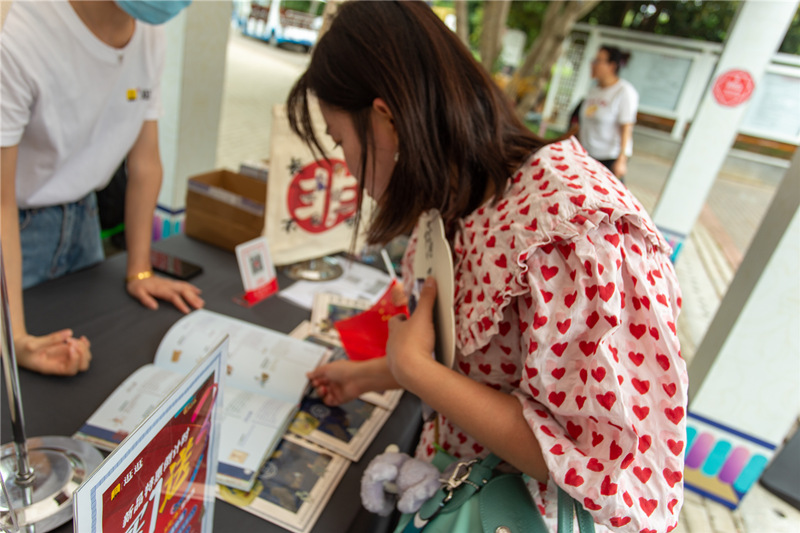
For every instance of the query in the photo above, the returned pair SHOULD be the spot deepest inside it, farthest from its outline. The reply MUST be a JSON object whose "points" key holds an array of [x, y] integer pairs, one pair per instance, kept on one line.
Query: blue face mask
{"points": [[153, 11]]}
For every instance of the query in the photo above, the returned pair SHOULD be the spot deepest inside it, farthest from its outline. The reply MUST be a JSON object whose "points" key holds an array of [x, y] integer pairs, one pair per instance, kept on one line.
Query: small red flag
{"points": [[364, 335]]}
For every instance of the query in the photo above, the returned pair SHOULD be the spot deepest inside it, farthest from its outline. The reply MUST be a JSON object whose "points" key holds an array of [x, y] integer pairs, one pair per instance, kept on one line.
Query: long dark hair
{"points": [[458, 134]]}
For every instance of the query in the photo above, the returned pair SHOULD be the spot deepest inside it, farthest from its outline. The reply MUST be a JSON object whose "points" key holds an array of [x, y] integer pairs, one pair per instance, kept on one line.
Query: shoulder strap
{"points": [[567, 509], [468, 479]]}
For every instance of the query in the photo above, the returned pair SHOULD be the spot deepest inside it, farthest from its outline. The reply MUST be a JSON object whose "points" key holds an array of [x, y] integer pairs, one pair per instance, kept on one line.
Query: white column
{"points": [[746, 372], [756, 34], [743, 381], [191, 88]]}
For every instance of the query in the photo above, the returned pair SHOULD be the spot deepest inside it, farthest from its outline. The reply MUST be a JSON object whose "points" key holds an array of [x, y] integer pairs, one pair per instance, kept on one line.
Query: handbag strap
{"points": [[567, 509], [467, 479]]}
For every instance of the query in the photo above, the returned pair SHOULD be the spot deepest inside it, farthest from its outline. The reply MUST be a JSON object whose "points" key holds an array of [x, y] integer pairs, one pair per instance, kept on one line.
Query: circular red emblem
{"points": [[733, 87], [322, 195]]}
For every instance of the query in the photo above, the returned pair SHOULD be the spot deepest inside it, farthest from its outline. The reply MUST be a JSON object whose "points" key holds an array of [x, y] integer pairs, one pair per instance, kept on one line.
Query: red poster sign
{"points": [[733, 87], [164, 489]]}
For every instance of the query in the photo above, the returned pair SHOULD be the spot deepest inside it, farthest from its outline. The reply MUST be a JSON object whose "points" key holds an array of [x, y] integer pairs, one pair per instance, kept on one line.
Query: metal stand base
{"points": [[322, 269], [60, 465]]}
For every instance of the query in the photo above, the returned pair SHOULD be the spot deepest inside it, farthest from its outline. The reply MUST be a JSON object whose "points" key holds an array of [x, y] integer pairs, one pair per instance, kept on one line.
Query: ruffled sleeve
{"points": [[603, 382]]}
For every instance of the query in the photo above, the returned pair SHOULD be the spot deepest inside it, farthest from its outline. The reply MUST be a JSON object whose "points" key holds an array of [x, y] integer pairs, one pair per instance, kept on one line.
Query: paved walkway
{"points": [[259, 76]]}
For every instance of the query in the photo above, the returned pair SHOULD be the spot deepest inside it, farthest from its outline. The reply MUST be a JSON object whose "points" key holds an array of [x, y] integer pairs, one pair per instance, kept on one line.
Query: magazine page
{"points": [[128, 405], [293, 487], [252, 426], [261, 361]]}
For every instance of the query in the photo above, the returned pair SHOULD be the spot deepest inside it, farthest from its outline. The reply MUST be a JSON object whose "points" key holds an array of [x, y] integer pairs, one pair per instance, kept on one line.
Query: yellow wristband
{"points": [[140, 276]]}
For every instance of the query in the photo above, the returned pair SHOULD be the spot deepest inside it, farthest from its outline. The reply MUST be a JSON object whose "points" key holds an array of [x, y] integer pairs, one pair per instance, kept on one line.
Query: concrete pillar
{"points": [[191, 88], [746, 371], [743, 393], [756, 34]]}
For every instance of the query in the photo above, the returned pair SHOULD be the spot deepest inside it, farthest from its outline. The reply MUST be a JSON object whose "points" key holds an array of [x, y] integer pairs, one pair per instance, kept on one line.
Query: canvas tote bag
{"points": [[311, 203]]}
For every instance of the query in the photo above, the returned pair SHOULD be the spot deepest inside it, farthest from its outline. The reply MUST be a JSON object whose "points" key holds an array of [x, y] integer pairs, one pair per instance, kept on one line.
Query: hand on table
{"points": [[181, 294], [57, 353]]}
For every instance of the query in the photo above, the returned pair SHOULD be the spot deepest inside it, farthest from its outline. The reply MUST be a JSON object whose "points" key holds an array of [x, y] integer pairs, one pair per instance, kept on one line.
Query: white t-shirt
{"points": [[73, 104], [604, 110]]}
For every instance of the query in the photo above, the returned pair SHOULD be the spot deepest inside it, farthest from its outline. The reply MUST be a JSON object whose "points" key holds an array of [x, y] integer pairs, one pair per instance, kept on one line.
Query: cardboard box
{"points": [[224, 208], [255, 169]]}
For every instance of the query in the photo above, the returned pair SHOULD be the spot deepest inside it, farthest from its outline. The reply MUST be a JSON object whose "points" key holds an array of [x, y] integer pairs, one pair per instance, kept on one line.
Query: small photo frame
{"points": [[329, 308], [255, 263], [257, 270]]}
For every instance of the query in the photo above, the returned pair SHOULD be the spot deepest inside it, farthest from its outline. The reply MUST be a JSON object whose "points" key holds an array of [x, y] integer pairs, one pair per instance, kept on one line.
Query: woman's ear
{"points": [[380, 107]]}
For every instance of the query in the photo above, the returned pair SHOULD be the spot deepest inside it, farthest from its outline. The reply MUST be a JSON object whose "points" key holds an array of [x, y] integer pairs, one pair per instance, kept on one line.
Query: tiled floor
{"points": [[259, 76]]}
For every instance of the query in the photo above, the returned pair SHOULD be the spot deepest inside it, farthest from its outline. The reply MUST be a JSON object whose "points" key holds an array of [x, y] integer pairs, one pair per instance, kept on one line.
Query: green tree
{"points": [[791, 43], [703, 21], [536, 69], [692, 19], [527, 17]]}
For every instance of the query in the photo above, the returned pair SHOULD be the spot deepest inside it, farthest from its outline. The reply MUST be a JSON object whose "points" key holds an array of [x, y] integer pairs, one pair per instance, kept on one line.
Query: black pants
{"points": [[111, 205]]}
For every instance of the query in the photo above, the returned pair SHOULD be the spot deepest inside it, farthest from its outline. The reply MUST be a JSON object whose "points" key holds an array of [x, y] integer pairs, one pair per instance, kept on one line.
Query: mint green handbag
{"points": [[475, 498]]}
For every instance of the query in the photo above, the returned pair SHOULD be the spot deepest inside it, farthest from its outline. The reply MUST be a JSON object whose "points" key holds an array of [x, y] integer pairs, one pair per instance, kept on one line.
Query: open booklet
{"points": [[264, 384], [295, 484]]}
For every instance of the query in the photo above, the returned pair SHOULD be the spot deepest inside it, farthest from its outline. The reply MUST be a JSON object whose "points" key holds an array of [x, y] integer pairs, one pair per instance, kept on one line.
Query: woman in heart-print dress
{"points": [[568, 365]]}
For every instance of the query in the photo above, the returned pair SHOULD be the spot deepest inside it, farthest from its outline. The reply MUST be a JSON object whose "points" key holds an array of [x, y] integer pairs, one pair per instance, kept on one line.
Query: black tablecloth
{"points": [[125, 335]]}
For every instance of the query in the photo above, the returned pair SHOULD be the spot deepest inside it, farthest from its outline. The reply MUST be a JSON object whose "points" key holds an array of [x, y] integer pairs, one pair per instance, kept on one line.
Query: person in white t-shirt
{"points": [[79, 93], [608, 112]]}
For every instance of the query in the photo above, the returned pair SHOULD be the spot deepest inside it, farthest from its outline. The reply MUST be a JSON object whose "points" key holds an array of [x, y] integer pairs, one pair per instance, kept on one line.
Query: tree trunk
{"points": [[495, 14], [331, 7], [462, 21], [559, 18]]}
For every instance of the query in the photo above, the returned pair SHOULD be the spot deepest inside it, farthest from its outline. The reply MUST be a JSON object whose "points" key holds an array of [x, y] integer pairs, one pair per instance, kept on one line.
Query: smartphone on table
{"points": [[173, 266]]}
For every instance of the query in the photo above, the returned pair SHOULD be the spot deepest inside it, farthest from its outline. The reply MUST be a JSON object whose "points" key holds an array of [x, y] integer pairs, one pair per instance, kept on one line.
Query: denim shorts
{"points": [[59, 239]]}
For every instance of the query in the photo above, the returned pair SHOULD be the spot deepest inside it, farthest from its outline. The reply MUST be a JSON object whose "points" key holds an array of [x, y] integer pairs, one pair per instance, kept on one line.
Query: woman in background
{"points": [[608, 112]]}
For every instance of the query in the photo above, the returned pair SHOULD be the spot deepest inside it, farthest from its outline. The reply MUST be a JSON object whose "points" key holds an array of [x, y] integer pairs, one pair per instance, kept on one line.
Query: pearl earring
{"points": [[396, 156]]}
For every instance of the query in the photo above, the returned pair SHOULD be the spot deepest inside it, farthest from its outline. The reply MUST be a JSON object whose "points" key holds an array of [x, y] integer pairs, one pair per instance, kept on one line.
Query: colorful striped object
{"points": [[722, 463], [167, 223]]}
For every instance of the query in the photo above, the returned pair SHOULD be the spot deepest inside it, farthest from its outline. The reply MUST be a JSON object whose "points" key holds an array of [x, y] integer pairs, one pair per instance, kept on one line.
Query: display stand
{"points": [[40, 473], [321, 269], [8, 516]]}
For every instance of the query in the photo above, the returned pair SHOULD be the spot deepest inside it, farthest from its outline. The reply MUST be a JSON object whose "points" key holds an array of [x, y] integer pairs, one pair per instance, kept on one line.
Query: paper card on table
{"points": [[434, 258], [357, 281], [163, 473], [257, 270], [364, 335]]}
